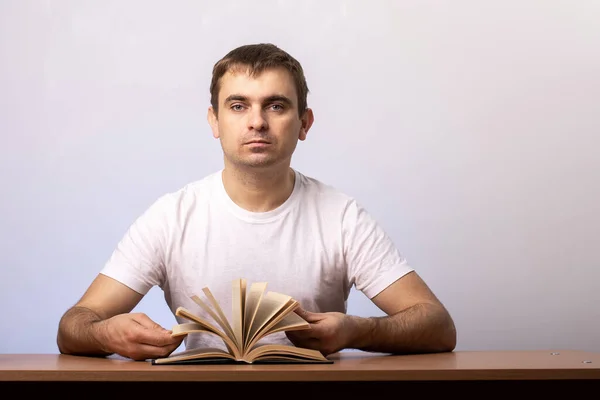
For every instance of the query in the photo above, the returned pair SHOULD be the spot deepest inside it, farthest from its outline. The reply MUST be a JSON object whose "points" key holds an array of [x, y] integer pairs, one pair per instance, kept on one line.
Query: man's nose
{"points": [[257, 120]]}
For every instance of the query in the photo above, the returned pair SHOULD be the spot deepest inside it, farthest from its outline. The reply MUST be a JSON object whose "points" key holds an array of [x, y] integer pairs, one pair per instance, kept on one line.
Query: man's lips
{"points": [[258, 141]]}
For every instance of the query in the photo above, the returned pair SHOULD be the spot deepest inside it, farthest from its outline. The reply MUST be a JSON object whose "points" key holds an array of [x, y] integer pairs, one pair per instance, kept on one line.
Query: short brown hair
{"points": [[257, 58]]}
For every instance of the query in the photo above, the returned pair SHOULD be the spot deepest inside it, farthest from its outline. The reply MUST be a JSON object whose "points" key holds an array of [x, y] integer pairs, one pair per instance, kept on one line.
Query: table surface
{"points": [[347, 366]]}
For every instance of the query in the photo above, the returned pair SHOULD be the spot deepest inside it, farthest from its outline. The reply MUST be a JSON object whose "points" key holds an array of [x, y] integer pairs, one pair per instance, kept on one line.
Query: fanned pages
{"points": [[255, 296], [256, 313], [238, 296]]}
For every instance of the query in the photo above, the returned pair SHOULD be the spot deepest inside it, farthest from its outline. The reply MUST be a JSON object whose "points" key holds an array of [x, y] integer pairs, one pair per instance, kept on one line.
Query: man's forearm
{"points": [[78, 333], [423, 328]]}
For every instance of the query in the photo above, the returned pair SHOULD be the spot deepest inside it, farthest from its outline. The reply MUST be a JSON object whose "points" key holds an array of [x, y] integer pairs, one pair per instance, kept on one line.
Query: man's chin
{"points": [[257, 163]]}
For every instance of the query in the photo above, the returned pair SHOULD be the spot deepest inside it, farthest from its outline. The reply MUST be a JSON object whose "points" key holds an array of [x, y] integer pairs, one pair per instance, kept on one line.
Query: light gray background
{"points": [[469, 129]]}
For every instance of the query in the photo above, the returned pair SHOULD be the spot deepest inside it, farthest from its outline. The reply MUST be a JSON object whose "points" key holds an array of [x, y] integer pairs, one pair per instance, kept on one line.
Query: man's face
{"points": [[258, 122]]}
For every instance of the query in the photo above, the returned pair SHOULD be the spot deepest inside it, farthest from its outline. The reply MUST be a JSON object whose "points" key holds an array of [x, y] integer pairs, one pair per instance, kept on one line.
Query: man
{"points": [[258, 219]]}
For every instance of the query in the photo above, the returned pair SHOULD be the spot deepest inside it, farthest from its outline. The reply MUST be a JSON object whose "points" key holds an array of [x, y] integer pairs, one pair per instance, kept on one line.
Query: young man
{"points": [[258, 219]]}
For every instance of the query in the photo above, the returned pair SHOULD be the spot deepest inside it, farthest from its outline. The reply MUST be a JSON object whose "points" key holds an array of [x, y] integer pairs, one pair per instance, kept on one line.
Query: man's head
{"points": [[254, 59], [258, 106]]}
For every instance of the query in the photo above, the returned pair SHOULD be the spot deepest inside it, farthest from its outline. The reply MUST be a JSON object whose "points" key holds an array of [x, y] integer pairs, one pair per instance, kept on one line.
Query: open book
{"points": [[256, 313]]}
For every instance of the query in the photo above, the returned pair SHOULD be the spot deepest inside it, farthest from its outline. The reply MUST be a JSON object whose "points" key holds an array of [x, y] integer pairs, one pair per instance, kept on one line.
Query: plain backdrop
{"points": [[469, 129]]}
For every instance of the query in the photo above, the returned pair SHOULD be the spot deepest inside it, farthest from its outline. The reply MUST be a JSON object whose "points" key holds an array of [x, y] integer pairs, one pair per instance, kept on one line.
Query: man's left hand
{"points": [[329, 332]]}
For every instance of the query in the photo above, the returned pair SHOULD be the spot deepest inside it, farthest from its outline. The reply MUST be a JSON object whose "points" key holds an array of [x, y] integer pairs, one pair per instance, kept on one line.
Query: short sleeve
{"points": [[372, 259], [138, 259]]}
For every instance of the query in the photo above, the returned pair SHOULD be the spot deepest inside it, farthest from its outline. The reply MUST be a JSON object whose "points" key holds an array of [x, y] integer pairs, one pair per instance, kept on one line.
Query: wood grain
{"points": [[347, 366]]}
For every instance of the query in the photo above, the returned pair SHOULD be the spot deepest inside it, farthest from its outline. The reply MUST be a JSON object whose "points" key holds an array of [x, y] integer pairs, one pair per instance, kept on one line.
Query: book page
{"points": [[271, 304], [243, 307], [221, 314], [223, 323], [285, 352], [291, 322], [190, 327], [255, 296], [185, 313], [266, 328], [194, 354], [238, 295]]}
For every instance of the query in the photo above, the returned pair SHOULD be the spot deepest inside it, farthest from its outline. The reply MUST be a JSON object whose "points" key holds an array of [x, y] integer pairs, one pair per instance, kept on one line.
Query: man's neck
{"points": [[258, 190]]}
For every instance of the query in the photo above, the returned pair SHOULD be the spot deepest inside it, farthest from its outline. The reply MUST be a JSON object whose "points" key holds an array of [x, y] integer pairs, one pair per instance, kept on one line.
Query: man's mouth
{"points": [[258, 141]]}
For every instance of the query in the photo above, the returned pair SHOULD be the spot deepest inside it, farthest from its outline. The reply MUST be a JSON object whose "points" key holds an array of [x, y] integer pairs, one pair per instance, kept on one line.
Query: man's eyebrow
{"points": [[269, 99], [236, 97], [280, 98]]}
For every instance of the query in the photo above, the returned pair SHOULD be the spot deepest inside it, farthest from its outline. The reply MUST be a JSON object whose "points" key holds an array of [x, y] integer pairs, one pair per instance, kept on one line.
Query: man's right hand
{"points": [[136, 336]]}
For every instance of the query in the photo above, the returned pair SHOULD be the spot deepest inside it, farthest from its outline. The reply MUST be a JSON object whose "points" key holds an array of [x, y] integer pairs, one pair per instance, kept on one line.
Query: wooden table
{"points": [[353, 374]]}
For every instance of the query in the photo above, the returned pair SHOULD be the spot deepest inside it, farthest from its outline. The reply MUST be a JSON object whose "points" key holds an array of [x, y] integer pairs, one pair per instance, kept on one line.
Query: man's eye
{"points": [[237, 107], [276, 107]]}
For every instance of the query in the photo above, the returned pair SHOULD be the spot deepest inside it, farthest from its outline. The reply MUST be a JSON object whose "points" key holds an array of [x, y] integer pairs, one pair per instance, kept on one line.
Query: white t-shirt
{"points": [[314, 247]]}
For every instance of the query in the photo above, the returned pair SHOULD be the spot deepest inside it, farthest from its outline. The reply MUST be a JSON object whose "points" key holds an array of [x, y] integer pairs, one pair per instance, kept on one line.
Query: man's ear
{"points": [[213, 122], [307, 120]]}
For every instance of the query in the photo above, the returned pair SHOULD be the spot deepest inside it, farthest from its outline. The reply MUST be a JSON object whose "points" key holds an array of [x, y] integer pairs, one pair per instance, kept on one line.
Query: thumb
{"points": [[146, 322], [308, 316]]}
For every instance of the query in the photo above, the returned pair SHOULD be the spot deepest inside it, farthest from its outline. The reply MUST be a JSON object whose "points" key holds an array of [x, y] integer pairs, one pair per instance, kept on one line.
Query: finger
{"points": [[307, 343], [300, 335], [152, 333], [308, 316], [146, 351], [146, 322], [155, 336], [159, 339]]}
